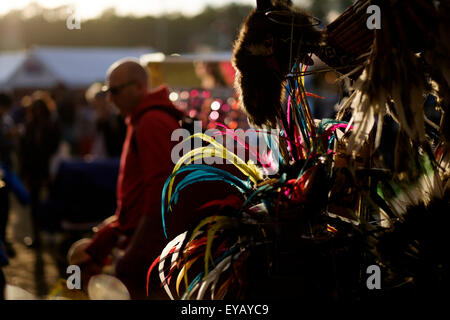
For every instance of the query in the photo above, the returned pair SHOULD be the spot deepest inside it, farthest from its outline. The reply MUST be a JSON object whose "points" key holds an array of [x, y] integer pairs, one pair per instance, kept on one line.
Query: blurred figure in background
{"points": [[110, 125], [39, 142], [66, 109], [84, 126], [6, 148], [209, 74], [145, 164], [3, 262]]}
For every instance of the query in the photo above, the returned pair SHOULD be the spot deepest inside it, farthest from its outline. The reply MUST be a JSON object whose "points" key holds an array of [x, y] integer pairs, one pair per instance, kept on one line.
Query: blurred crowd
{"points": [[63, 147], [44, 128], [41, 130]]}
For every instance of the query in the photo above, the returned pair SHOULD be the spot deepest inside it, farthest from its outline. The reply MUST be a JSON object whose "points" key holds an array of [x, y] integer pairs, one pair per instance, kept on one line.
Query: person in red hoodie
{"points": [[144, 166]]}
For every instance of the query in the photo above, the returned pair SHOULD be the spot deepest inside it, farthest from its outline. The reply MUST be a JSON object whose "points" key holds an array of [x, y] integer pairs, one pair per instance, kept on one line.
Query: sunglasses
{"points": [[116, 90]]}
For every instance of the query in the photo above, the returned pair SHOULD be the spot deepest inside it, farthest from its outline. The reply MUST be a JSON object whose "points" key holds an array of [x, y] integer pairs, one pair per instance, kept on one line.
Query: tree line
{"points": [[215, 28]]}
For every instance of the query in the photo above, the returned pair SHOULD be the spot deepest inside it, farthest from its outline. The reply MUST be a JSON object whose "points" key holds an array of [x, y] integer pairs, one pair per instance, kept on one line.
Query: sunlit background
{"points": [[90, 9], [38, 49], [186, 44]]}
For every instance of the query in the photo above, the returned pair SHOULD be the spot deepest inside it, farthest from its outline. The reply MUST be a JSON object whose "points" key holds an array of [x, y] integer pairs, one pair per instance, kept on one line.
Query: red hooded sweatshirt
{"points": [[145, 165]]}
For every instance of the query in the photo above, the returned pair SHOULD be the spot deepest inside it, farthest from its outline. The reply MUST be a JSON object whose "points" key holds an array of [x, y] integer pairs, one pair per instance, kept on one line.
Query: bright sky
{"points": [[86, 9]]}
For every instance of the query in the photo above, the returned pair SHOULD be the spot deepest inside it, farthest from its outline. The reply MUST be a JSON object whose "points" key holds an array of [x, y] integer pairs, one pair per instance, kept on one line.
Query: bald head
{"points": [[128, 83], [129, 68]]}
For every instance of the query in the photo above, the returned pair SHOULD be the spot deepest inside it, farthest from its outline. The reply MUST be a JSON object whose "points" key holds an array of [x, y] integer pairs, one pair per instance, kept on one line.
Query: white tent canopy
{"points": [[187, 57], [9, 63], [45, 67]]}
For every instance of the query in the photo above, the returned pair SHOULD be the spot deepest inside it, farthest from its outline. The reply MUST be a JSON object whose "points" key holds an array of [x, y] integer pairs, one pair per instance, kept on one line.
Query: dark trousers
{"points": [[35, 194], [4, 212], [2, 285]]}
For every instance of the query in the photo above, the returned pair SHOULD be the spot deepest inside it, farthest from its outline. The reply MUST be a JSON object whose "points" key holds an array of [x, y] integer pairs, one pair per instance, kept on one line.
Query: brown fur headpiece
{"points": [[273, 35]]}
